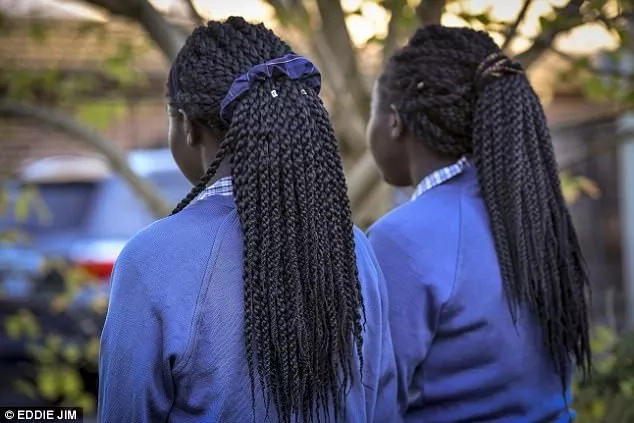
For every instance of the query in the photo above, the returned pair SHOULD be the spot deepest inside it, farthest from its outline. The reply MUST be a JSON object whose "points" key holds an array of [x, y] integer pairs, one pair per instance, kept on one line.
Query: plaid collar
{"points": [[440, 176], [222, 186]]}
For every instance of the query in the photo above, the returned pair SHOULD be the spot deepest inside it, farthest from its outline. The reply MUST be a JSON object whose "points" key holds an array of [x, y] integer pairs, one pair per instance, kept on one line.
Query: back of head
{"points": [[303, 302], [458, 93]]}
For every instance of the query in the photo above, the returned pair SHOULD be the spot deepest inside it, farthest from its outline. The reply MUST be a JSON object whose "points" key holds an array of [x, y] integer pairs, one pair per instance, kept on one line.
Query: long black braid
{"points": [[440, 85], [303, 305]]}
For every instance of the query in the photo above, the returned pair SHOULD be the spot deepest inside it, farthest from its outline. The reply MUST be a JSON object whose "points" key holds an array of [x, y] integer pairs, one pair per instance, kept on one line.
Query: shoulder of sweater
{"points": [[198, 224], [429, 213], [422, 241]]}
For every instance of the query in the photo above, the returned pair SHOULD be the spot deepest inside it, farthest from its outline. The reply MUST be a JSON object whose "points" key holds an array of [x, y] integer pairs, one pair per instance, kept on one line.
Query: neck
{"points": [[424, 162], [209, 154], [223, 171]]}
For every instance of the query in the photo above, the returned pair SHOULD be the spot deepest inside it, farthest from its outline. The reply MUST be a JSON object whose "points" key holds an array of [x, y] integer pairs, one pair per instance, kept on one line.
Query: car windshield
{"points": [[55, 207], [106, 208], [118, 212]]}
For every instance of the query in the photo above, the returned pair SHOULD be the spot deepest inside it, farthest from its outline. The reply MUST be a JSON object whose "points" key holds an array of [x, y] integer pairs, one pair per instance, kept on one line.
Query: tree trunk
{"points": [[430, 11], [335, 32]]}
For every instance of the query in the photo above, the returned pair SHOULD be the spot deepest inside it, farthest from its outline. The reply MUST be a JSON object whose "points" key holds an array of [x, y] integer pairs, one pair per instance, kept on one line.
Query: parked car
{"points": [[91, 213], [82, 215]]}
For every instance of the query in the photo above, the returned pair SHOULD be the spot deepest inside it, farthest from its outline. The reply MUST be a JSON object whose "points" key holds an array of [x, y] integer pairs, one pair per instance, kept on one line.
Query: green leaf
{"points": [[598, 409], [3, 21], [118, 66], [23, 204], [581, 63], [100, 115], [545, 22], [78, 86], [54, 343], [22, 324], [12, 327], [627, 387], [30, 325], [91, 350], [38, 31], [87, 402], [70, 382], [4, 201], [594, 88], [72, 354], [47, 383]]}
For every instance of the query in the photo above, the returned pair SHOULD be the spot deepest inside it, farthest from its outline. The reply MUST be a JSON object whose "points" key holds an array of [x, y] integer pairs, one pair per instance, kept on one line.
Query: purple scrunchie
{"points": [[290, 65]]}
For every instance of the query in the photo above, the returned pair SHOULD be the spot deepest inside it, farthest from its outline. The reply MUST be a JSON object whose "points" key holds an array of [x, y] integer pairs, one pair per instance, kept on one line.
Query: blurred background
{"points": [[84, 164]]}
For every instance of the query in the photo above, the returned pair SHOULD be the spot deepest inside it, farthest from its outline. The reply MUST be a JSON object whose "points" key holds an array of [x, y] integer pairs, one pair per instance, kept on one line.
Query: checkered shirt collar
{"points": [[440, 176], [222, 186]]}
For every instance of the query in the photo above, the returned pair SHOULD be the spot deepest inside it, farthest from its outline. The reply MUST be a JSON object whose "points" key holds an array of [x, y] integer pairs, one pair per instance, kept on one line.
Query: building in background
{"points": [[72, 46]]}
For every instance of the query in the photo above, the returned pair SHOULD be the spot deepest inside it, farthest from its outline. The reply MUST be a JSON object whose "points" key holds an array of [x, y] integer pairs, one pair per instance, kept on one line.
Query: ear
{"points": [[396, 123], [190, 129]]}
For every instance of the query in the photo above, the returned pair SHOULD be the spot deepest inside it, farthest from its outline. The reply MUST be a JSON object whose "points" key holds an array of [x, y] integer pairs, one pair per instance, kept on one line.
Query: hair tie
{"points": [[496, 65], [290, 65]]}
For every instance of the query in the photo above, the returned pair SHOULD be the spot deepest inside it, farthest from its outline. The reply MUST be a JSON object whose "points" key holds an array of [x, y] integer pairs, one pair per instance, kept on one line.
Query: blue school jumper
{"points": [[459, 356], [172, 348]]}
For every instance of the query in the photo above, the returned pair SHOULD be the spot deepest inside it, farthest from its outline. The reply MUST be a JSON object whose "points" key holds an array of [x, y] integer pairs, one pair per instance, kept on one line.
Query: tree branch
{"points": [[94, 140], [196, 17], [362, 178], [355, 122], [566, 18], [335, 33], [430, 11], [291, 12], [594, 69], [166, 36], [518, 21], [389, 45]]}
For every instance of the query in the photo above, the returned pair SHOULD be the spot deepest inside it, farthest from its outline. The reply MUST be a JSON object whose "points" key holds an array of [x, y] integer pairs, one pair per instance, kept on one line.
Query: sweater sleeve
{"points": [[135, 382], [414, 305], [380, 370]]}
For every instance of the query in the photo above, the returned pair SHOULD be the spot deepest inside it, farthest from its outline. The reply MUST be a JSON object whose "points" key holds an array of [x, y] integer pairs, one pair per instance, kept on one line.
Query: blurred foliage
{"points": [[78, 90], [101, 114], [29, 200], [26, 201], [574, 186], [60, 361], [58, 378], [608, 397]]}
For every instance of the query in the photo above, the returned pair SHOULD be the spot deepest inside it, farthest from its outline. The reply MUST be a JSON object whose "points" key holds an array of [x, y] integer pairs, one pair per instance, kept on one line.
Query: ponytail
{"points": [[539, 254]]}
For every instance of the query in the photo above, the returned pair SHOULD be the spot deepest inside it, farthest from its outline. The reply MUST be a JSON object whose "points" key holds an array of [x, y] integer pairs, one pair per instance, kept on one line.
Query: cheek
{"points": [[375, 139], [390, 156], [379, 142], [187, 158]]}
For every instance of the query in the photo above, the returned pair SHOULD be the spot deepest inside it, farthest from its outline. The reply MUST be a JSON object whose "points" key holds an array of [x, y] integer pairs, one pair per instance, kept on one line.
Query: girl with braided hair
{"points": [[486, 280], [256, 300]]}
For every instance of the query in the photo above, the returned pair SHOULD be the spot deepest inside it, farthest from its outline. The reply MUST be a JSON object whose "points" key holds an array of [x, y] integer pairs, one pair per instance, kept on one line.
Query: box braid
{"points": [[302, 297], [448, 92]]}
